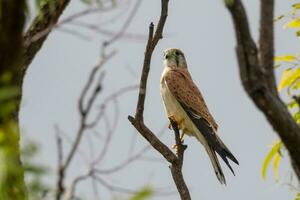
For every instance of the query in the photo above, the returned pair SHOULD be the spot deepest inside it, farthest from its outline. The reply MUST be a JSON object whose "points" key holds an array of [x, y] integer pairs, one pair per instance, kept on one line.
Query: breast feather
{"points": [[173, 108]]}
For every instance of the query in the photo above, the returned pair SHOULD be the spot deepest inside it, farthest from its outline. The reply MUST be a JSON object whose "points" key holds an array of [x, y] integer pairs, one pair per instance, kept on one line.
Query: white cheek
{"points": [[165, 62], [182, 63], [169, 62]]}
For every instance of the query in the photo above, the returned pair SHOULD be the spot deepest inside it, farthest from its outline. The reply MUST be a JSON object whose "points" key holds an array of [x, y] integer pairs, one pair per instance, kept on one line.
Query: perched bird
{"points": [[185, 105]]}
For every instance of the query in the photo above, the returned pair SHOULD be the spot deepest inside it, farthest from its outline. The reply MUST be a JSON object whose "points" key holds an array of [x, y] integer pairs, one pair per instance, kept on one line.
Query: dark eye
{"points": [[177, 53]]}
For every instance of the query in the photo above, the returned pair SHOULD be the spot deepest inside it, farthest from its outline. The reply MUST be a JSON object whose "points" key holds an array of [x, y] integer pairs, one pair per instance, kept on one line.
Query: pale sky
{"points": [[203, 30]]}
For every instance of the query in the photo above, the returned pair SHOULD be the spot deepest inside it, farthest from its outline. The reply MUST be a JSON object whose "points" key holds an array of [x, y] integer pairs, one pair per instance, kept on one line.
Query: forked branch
{"points": [[138, 121], [257, 74]]}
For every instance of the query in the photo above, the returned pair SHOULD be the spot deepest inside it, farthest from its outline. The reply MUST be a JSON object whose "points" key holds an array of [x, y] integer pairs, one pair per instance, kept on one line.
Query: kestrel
{"points": [[185, 105]]}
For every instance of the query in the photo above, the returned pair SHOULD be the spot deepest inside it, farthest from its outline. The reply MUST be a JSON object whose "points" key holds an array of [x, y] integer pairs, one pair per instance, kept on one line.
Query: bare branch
{"points": [[113, 187], [125, 25], [177, 167], [257, 74], [138, 121], [266, 41], [106, 32], [84, 13], [129, 160], [85, 105], [153, 140], [107, 142], [144, 77], [84, 112], [47, 17], [112, 97], [71, 191], [60, 186]]}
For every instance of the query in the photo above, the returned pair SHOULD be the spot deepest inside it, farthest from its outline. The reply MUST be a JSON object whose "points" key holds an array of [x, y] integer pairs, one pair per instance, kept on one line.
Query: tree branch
{"points": [[40, 28], [266, 42], [86, 103], [138, 121], [257, 74]]}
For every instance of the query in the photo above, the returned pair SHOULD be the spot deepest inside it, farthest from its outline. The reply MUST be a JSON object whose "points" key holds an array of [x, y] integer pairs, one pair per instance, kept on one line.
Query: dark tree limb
{"points": [[266, 42], [257, 75], [40, 28], [12, 18], [138, 121]]}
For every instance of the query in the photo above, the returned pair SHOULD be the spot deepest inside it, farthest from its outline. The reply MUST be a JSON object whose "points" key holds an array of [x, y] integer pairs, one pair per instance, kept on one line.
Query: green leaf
{"points": [[292, 105], [35, 169], [295, 23], [143, 194], [296, 117], [297, 196], [7, 108], [6, 77], [288, 77], [295, 85], [29, 150], [296, 5], [276, 162], [272, 153], [285, 58], [8, 92]]}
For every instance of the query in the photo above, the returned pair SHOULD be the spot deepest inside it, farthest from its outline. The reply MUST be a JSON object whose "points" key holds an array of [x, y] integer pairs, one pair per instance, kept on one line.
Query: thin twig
{"points": [[85, 105], [126, 24], [60, 187], [129, 160], [106, 32]]}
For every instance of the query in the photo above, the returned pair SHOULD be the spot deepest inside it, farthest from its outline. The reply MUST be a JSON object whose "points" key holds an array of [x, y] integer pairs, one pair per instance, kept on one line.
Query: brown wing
{"points": [[188, 95], [184, 89]]}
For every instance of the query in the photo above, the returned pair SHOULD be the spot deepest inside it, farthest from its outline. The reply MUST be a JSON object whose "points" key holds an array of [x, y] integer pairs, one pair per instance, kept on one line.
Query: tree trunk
{"points": [[12, 18]]}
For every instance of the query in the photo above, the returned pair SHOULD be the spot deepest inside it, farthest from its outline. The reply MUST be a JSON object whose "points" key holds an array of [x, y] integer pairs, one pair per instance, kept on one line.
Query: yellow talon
{"points": [[173, 119]]}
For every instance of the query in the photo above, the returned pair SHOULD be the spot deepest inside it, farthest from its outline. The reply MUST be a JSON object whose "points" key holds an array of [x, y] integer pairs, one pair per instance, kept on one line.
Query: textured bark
{"points": [[257, 75], [40, 28]]}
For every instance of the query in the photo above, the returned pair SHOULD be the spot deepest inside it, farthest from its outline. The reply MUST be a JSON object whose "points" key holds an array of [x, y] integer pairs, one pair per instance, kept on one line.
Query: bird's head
{"points": [[174, 58]]}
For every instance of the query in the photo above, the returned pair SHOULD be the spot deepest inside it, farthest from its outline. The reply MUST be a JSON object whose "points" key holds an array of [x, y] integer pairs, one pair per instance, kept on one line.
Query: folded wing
{"points": [[188, 95]]}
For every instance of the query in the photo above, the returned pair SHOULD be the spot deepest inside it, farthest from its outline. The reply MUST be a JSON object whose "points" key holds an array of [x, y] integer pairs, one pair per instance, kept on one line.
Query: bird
{"points": [[184, 105]]}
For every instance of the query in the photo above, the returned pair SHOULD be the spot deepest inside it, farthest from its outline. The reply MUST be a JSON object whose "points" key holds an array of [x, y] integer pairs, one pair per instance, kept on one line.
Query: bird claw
{"points": [[172, 120], [175, 147]]}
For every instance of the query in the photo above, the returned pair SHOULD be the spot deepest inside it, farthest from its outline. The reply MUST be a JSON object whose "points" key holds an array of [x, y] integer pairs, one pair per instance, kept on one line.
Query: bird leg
{"points": [[173, 119], [181, 132], [175, 147]]}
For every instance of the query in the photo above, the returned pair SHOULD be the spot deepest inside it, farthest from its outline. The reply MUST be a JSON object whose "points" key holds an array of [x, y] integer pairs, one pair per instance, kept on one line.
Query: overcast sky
{"points": [[203, 30]]}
